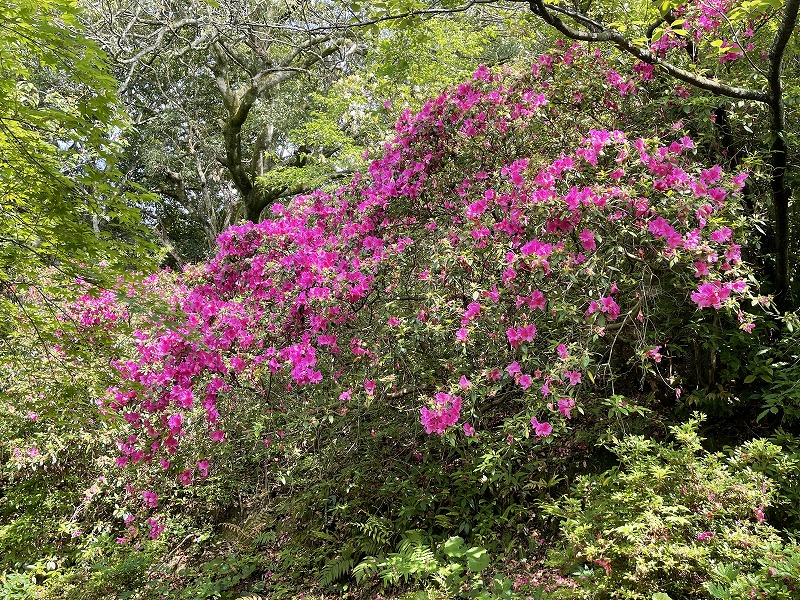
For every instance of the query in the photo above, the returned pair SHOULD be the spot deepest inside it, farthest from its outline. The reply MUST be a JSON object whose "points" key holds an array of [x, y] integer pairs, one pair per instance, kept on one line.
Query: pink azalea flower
{"points": [[369, 385], [759, 514], [538, 300], [721, 235], [469, 430], [150, 498], [587, 240], [565, 406], [464, 383], [654, 354], [609, 306], [175, 422], [472, 311], [155, 528], [701, 269], [514, 369], [541, 429], [710, 294], [438, 420]]}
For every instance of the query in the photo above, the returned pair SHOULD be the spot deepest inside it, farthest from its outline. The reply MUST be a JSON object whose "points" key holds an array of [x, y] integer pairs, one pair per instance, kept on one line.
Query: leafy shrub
{"points": [[498, 262], [774, 373], [453, 567], [779, 460], [663, 520], [504, 263], [776, 578]]}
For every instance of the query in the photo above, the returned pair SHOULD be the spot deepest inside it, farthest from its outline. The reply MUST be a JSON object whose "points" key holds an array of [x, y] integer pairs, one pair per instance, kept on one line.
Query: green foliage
{"points": [[452, 567], [778, 459], [310, 491], [664, 519], [66, 207], [774, 374], [776, 577]]}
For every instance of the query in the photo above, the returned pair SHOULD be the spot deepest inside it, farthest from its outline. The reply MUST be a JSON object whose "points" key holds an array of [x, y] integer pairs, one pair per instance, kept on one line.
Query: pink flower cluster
{"points": [[446, 415]]}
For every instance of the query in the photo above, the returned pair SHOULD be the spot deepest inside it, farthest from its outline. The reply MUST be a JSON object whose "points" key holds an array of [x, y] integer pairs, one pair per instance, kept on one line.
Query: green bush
{"points": [[664, 520]]}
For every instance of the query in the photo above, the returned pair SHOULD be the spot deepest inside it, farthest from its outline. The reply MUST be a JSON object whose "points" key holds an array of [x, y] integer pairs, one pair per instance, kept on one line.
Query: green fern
{"points": [[252, 533], [377, 529], [334, 570], [236, 530], [366, 569], [264, 538], [414, 559]]}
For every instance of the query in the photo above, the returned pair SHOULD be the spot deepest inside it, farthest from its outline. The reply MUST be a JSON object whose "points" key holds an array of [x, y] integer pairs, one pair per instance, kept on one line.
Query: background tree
{"points": [[65, 205], [213, 88]]}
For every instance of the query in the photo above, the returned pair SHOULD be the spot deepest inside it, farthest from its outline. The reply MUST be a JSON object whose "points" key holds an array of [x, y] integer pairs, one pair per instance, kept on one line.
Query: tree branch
{"points": [[602, 33]]}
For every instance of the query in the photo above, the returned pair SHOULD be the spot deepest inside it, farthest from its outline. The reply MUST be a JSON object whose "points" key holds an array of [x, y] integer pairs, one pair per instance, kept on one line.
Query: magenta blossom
{"points": [[185, 477], [587, 240], [574, 377], [447, 415], [541, 429], [150, 499], [565, 406], [525, 381]]}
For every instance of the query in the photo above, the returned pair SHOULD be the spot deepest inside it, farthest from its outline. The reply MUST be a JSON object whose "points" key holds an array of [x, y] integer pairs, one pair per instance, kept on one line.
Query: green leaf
{"points": [[477, 559], [455, 547]]}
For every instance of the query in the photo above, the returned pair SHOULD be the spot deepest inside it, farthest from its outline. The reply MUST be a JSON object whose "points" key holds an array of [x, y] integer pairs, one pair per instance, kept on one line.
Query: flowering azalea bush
{"points": [[500, 255], [721, 31], [511, 260]]}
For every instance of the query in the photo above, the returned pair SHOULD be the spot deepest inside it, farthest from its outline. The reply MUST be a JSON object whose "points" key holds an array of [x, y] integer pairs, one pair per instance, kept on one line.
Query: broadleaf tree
{"points": [[67, 210]]}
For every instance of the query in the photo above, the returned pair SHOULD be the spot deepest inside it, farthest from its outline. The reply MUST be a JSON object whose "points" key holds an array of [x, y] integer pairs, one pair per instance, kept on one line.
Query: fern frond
{"points": [[264, 538], [236, 530], [334, 570], [365, 569]]}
